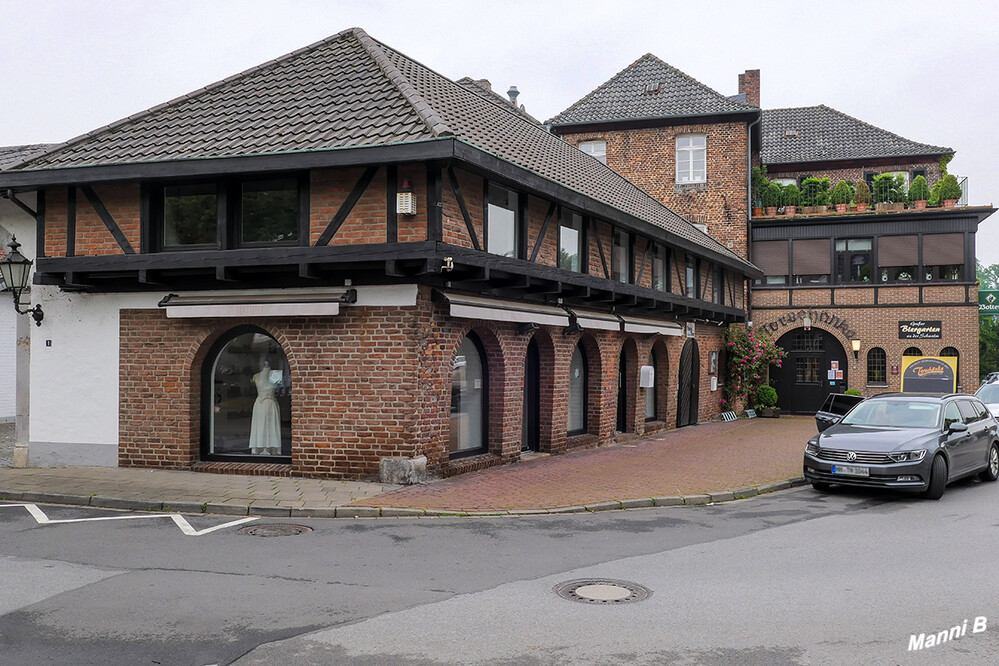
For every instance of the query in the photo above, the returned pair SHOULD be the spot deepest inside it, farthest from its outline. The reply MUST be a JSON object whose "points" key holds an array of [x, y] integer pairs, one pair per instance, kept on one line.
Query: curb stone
{"points": [[128, 504], [56, 498], [696, 499], [668, 500], [722, 496]]}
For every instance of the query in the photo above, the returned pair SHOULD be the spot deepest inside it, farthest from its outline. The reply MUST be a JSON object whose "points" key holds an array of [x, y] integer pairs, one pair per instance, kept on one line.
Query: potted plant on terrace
{"points": [[841, 196], [759, 184], [862, 196], [771, 198], [815, 194], [947, 190], [919, 192], [792, 199], [766, 402], [889, 192]]}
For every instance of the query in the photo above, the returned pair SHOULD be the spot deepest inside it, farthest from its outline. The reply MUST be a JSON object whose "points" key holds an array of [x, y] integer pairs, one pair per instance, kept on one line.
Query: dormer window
{"points": [[691, 158], [597, 149]]}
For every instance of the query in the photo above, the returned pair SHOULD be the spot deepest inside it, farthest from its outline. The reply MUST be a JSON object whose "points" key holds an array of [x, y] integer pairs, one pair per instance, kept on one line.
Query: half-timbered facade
{"points": [[342, 256]]}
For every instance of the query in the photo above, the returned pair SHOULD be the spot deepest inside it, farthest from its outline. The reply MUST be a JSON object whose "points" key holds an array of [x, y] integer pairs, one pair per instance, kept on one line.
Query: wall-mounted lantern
{"points": [[15, 269]]}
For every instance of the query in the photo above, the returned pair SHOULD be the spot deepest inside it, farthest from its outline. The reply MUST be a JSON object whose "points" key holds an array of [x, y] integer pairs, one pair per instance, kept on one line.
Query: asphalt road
{"points": [[789, 578]]}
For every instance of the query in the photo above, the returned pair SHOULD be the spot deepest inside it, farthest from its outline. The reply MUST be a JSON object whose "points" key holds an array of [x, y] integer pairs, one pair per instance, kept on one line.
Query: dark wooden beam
{"points": [[391, 214], [348, 205], [105, 216], [435, 203], [456, 188], [543, 232]]}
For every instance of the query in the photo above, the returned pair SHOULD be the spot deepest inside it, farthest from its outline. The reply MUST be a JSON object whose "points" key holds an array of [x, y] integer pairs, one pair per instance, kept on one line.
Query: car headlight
{"points": [[812, 448], [908, 456]]}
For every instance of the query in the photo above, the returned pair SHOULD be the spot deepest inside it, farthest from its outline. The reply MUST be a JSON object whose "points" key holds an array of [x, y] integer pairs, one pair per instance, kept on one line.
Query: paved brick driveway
{"points": [[699, 459]]}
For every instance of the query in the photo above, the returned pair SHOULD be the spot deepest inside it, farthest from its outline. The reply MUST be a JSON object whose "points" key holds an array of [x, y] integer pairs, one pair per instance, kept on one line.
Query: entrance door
{"points": [[802, 381], [532, 399], [689, 388], [622, 395]]}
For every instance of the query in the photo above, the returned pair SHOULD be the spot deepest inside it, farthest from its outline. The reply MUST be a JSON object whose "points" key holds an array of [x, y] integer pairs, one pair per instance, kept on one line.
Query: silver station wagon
{"points": [[905, 441]]}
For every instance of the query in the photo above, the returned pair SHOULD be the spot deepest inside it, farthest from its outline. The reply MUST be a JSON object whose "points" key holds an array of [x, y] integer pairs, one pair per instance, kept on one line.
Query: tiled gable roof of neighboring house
{"points": [[11, 155], [820, 134], [492, 95], [351, 91], [648, 88]]}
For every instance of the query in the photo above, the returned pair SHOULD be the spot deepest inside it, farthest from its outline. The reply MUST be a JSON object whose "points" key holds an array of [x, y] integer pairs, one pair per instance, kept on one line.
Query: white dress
{"points": [[265, 425]]}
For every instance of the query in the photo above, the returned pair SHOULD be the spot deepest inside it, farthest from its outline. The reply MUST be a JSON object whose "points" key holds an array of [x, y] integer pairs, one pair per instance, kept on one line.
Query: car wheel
{"points": [[991, 473], [821, 486], [938, 479]]}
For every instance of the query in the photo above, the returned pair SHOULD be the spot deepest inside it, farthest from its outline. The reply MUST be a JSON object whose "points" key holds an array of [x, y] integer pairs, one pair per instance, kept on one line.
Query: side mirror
{"points": [[957, 426]]}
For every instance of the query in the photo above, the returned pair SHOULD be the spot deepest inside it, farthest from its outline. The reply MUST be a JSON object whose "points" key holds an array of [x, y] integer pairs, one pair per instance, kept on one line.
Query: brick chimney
{"points": [[749, 83]]}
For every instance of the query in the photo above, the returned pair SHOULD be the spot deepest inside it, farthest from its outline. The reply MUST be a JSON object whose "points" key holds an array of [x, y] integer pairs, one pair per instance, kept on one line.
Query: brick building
{"points": [[848, 294], [340, 256]]}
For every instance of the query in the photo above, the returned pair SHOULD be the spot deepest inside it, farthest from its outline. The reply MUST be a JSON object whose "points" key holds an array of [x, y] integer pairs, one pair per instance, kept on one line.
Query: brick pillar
{"points": [[749, 83]]}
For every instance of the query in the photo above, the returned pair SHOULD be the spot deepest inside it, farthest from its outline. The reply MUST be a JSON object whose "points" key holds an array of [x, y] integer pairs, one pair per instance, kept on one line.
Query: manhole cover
{"points": [[602, 591], [274, 530]]}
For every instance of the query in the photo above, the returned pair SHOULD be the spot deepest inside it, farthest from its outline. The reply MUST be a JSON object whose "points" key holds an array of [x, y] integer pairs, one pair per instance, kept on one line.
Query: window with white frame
{"points": [[691, 158], [596, 148]]}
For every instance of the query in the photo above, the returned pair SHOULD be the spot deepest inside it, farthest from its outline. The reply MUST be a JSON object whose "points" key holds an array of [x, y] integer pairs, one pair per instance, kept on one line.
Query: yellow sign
{"points": [[929, 374]]}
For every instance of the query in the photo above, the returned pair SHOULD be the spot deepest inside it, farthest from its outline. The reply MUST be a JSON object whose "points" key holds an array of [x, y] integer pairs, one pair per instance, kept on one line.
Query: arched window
{"points": [[246, 407], [877, 366], [652, 393], [469, 392], [952, 351], [913, 351], [578, 388]]}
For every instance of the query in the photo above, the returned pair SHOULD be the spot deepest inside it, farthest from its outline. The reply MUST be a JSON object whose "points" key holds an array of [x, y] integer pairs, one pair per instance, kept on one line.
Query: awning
{"points": [[490, 309], [635, 325], [257, 305], [600, 321]]}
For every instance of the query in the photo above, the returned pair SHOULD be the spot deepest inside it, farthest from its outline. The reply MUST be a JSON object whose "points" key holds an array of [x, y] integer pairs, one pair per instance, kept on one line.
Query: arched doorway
{"points": [[803, 380], [246, 399], [689, 386], [531, 438], [469, 404], [622, 393]]}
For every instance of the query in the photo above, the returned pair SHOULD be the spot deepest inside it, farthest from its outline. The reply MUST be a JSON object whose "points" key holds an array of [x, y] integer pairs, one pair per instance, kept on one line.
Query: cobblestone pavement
{"points": [[701, 459]]}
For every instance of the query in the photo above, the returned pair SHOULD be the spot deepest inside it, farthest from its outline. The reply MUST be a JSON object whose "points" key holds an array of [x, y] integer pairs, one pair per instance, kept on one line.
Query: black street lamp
{"points": [[15, 269]]}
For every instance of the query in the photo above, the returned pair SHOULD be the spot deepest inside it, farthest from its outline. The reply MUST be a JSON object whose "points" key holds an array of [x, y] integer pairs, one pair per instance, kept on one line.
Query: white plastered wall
{"points": [[13, 222]]}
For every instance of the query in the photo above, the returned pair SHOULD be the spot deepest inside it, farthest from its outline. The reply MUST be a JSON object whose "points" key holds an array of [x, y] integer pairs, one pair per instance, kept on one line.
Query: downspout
{"points": [[749, 209]]}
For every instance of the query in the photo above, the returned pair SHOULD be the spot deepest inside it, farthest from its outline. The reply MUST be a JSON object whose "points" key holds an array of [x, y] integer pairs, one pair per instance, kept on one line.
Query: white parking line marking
{"points": [[178, 519]]}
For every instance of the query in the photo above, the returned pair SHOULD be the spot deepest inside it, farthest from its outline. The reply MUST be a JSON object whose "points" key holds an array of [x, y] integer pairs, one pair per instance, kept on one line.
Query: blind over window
{"points": [[943, 249], [898, 251], [771, 257], [811, 257]]}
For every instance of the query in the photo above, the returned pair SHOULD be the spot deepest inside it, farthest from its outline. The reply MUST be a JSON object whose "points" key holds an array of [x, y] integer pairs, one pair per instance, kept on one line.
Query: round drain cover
{"points": [[274, 530], [602, 591]]}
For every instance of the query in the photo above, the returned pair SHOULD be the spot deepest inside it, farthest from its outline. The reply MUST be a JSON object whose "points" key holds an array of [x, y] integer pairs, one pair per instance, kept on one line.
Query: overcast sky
{"points": [[924, 70]]}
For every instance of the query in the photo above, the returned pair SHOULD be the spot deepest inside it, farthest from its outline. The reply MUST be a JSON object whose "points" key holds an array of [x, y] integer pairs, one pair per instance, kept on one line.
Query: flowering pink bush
{"points": [[751, 352]]}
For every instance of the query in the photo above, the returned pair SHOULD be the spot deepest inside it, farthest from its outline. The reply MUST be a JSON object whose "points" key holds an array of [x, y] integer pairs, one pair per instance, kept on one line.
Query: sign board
{"points": [[929, 374], [920, 330], [988, 302]]}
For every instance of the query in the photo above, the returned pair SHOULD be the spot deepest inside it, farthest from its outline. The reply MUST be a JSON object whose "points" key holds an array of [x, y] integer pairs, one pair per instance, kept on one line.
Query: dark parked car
{"points": [[833, 409], [906, 441]]}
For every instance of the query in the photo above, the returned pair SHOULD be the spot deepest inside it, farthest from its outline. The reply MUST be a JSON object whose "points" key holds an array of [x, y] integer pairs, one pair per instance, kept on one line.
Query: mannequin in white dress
{"points": [[265, 425]]}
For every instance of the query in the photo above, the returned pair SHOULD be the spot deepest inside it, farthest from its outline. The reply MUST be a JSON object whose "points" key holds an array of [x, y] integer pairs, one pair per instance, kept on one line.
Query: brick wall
{"points": [[647, 157]]}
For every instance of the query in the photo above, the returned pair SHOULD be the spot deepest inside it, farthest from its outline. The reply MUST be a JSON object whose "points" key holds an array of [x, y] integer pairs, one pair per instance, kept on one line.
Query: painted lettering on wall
{"points": [[820, 318]]}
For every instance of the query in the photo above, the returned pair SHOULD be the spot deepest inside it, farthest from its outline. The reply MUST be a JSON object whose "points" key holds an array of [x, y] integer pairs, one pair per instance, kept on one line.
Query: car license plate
{"points": [[850, 470]]}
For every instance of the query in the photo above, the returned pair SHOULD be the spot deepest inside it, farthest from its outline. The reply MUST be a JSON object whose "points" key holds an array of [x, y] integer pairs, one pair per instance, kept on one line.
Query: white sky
{"points": [[924, 70]]}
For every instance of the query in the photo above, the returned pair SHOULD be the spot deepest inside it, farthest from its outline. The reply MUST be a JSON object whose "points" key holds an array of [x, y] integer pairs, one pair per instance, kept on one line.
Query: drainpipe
{"points": [[749, 209]]}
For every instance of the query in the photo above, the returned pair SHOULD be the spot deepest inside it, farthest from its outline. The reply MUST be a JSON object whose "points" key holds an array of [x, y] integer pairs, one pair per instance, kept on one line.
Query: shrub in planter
{"points": [[772, 197], [947, 189], [792, 199], [842, 194], [766, 401], [759, 183], [862, 195], [852, 392], [919, 191], [889, 188], [815, 191]]}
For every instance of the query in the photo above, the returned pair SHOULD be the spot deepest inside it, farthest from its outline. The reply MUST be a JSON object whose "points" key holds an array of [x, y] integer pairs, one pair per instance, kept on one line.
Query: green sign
{"points": [[988, 302]]}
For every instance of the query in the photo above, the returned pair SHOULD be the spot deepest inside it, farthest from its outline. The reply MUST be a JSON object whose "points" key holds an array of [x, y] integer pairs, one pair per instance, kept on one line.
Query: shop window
{"points": [[652, 393], [898, 274], [718, 286], [947, 273], [247, 408], [912, 351], [690, 277], [597, 149], [469, 392], [190, 216], [660, 269], [952, 352], [691, 158], [877, 366], [502, 221], [806, 370], [570, 240], [578, 389], [621, 259], [853, 260], [268, 211]]}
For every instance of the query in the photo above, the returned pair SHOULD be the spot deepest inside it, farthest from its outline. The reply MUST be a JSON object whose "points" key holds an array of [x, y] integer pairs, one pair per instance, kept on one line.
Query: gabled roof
{"points": [[648, 88], [821, 134], [351, 91], [11, 155], [478, 88]]}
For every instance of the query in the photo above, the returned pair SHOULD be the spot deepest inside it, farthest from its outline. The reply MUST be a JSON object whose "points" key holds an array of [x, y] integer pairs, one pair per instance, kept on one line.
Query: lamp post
{"points": [[15, 270]]}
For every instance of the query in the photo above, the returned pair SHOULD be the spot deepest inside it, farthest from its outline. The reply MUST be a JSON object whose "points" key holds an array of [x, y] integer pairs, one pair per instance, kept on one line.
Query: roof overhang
{"points": [[612, 124]]}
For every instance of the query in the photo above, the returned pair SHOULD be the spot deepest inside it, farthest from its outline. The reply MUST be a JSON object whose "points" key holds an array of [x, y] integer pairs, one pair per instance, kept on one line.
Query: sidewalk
{"points": [[711, 462]]}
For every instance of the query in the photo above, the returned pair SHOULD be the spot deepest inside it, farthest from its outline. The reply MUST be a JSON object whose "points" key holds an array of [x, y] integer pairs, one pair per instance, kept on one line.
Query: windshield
{"points": [[988, 393], [894, 413]]}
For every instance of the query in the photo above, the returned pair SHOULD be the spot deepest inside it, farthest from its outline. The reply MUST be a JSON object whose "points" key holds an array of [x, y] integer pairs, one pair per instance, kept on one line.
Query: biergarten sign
{"points": [[929, 374], [988, 302], [920, 330]]}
